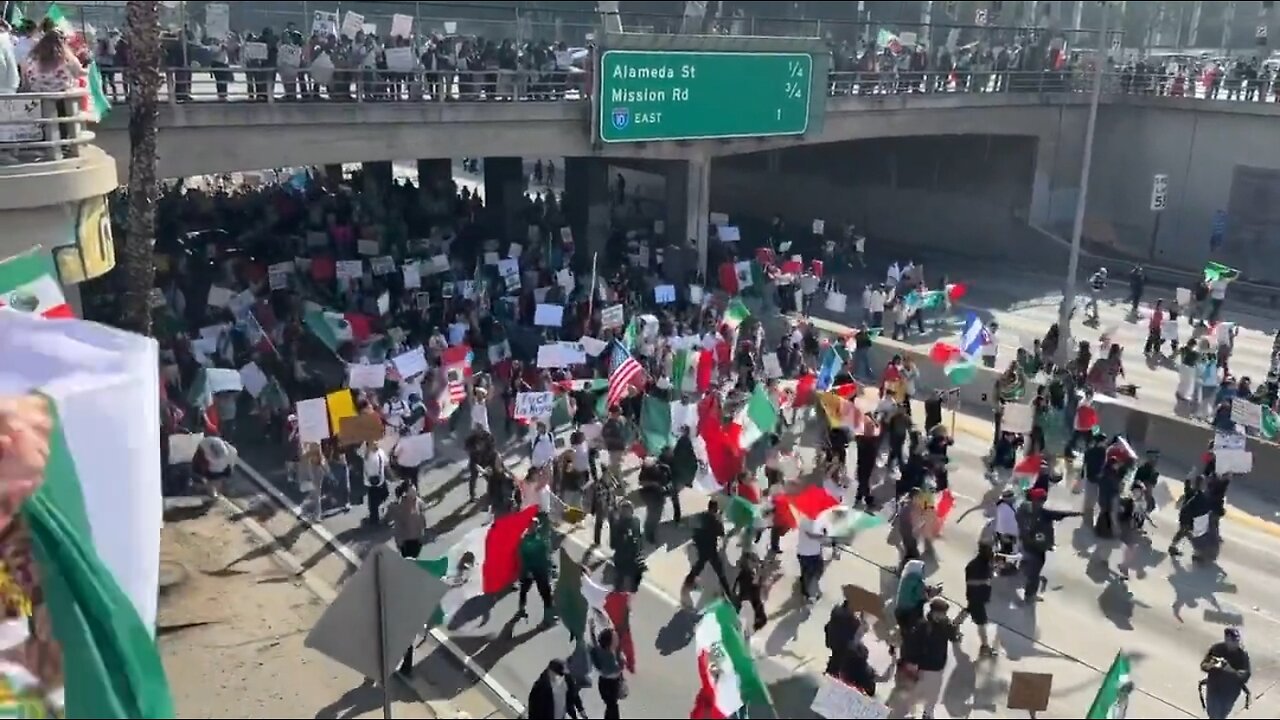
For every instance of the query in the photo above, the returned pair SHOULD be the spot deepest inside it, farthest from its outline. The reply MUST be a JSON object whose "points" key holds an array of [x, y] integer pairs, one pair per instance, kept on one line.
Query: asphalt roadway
{"points": [[1025, 304], [1165, 617]]}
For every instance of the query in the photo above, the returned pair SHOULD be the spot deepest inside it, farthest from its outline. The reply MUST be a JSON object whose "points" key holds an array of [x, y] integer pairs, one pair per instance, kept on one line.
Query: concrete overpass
{"points": [[1218, 156]]}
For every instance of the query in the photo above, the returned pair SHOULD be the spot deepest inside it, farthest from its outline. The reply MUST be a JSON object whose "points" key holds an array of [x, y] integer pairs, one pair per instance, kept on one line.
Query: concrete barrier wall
{"points": [[1180, 442]]}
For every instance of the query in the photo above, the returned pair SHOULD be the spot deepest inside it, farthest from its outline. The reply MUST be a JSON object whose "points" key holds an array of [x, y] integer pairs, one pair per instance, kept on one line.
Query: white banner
{"points": [[313, 420], [217, 20], [549, 315], [410, 363], [366, 376]]}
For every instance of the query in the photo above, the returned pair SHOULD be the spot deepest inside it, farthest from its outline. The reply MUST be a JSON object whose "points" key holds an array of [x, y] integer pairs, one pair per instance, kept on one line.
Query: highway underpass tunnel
{"points": [[638, 209], [619, 209], [928, 195]]}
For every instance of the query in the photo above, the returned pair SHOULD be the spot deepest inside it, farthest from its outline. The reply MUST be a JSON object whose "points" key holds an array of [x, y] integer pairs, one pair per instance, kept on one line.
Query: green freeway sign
{"points": [[654, 95]]}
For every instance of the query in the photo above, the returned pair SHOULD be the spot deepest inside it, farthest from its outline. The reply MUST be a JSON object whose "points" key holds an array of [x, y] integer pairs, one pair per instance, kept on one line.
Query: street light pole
{"points": [[1077, 227]]}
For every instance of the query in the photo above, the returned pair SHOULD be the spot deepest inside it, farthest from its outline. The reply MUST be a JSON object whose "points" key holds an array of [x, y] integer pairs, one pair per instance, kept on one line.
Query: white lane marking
{"points": [[504, 696]]}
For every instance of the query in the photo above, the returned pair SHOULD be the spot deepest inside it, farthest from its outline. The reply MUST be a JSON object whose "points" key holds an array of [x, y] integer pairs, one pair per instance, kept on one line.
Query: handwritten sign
{"points": [[530, 405], [352, 23], [836, 699], [350, 269], [1246, 413], [410, 363], [613, 316], [313, 420], [366, 376]]}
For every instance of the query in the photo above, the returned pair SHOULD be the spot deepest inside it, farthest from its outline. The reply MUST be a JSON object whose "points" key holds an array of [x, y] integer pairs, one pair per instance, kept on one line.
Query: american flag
{"points": [[624, 371]]}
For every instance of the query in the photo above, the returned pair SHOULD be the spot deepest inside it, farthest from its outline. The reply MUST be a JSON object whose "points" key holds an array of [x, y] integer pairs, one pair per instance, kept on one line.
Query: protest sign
{"points": [[413, 450], [362, 376], [313, 420], [549, 315], [253, 379], [664, 294], [350, 269], [531, 405], [410, 363], [613, 316]]}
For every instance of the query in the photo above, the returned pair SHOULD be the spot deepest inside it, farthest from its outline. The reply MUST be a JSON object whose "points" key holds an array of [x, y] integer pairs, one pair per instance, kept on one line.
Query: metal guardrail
{"points": [[270, 85], [251, 84], [43, 127]]}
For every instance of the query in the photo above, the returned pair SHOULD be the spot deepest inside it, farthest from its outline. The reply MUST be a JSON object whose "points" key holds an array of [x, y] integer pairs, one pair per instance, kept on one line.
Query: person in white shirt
{"points": [[809, 553], [876, 306], [215, 457], [394, 412], [542, 448], [479, 410], [10, 69], [375, 479], [1217, 294], [992, 348]]}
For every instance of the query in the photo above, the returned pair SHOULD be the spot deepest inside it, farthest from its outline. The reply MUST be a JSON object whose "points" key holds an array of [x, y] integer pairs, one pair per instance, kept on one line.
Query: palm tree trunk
{"points": [[142, 77]]}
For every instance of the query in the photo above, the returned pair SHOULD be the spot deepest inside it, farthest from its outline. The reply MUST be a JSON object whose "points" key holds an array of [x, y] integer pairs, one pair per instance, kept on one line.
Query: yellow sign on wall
{"points": [[93, 252]]}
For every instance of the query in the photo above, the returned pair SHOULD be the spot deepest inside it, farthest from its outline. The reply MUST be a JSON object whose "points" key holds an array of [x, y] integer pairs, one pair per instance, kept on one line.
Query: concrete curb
{"points": [[441, 709]]}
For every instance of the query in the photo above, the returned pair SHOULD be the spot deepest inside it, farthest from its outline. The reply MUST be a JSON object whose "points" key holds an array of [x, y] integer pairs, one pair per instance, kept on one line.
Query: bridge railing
{"points": [[285, 84], [277, 85], [40, 127]]}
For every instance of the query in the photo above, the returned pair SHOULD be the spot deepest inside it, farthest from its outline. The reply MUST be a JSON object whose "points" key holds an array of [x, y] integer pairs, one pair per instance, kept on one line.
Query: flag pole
{"points": [[591, 298]]}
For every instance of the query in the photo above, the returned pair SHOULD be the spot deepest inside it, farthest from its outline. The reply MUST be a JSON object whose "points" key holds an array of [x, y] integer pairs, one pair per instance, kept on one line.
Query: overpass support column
{"points": [[377, 181], [697, 207], [504, 186], [586, 202], [434, 171]]}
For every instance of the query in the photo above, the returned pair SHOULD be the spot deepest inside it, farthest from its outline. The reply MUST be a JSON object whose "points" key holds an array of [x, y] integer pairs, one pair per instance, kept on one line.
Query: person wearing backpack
{"points": [[1036, 523]]}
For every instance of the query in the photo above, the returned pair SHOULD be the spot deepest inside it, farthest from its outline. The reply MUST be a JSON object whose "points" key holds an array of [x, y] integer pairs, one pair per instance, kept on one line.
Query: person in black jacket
{"points": [[1227, 671], [927, 647], [1036, 523], [555, 695], [706, 545], [1195, 503]]}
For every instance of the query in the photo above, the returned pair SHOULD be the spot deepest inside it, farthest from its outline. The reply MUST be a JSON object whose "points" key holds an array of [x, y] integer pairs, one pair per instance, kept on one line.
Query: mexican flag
{"points": [[1025, 472], [1112, 700], [1270, 423], [29, 284], [684, 369], [95, 521], [742, 513], [655, 424], [727, 674], [757, 418], [735, 314], [587, 607], [330, 328], [828, 515], [96, 105], [484, 562], [201, 398], [592, 385], [1214, 271]]}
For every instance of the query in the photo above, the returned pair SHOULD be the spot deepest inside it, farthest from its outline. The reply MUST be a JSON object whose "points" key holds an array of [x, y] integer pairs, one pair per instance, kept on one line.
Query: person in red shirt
{"points": [[1154, 338]]}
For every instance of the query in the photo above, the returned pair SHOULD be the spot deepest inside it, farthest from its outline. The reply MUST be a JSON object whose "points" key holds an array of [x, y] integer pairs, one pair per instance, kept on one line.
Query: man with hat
{"points": [[1227, 671]]}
